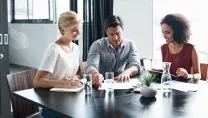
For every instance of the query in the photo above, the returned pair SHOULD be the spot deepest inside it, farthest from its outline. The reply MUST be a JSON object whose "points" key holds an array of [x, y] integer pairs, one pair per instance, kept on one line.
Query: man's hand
{"points": [[123, 77], [97, 79]]}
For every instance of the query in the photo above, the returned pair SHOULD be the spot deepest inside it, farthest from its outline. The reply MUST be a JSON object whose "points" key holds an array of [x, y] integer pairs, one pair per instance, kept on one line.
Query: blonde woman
{"points": [[61, 58]]}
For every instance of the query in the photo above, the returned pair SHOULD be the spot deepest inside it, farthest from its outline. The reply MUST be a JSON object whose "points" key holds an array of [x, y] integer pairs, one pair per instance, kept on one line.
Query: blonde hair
{"points": [[68, 19]]}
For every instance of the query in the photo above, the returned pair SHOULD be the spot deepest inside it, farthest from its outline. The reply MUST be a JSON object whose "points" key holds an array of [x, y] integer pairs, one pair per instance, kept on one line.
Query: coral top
{"points": [[181, 60]]}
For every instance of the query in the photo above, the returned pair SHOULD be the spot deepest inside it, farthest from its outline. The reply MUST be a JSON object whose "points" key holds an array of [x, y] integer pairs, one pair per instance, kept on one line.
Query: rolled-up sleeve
{"points": [[93, 58], [133, 57]]}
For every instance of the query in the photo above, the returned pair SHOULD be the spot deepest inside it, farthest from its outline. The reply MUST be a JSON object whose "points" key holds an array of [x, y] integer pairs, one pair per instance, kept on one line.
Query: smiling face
{"points": [[167, 32], [115, 35], [69, 25]]}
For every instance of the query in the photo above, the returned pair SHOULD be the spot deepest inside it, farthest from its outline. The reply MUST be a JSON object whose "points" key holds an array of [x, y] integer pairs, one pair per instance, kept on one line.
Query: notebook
{"points": [[66, 89]]}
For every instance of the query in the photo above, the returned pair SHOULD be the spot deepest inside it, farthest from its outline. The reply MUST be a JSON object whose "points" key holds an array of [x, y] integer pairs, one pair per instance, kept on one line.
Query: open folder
{"points": [[66, 89]]}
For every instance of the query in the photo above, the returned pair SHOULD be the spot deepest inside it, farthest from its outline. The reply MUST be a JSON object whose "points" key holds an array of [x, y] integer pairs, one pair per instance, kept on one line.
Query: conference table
{"points": [[121, 104]]}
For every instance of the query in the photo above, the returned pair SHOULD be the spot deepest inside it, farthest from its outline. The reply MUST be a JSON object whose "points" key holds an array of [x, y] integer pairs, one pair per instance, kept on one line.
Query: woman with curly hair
{"points": [[182, 55]]}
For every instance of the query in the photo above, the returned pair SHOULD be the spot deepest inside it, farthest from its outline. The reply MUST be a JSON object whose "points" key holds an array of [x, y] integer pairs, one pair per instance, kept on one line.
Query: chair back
{"points": [[83, 66], [147, 63], [204, 70], [20, 81]]}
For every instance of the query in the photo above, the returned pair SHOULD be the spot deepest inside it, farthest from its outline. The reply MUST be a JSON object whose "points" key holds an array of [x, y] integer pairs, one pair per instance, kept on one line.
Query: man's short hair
{"points": [[113, 21]]}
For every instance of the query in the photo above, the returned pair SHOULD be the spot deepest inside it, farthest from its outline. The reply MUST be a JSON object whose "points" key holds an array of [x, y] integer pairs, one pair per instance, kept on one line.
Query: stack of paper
{"points": [[185, 87], [66, 89], [118, 85]]}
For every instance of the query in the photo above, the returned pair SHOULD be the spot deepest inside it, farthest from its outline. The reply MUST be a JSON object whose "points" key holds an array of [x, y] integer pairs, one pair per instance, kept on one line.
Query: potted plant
{"points": [[147, 90]]}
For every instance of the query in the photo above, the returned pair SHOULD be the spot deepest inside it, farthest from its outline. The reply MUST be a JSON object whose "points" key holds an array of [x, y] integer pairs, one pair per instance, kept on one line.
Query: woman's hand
{"points": [[73, 82], [73, 77], [181, 72]]}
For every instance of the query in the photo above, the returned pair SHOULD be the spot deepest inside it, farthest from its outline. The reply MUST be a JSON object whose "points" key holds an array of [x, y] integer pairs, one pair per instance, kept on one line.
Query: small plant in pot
{"points": [[147, 90]]}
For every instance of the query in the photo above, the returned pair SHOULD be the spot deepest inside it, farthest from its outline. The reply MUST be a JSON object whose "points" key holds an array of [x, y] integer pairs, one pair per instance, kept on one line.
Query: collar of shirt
{"points": [[123, 44]]}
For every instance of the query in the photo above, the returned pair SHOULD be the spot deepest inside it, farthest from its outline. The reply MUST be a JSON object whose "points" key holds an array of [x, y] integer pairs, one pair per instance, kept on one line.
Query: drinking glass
{"points": [[87, 83], [109, 80]]}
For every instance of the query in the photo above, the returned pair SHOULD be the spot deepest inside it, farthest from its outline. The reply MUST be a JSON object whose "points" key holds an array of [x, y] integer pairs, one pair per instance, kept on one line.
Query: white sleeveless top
{"points": [[58, 63]]}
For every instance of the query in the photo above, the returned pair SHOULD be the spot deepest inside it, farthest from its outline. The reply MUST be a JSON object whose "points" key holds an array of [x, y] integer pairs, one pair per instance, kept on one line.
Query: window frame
{"points": [[32, 21]]}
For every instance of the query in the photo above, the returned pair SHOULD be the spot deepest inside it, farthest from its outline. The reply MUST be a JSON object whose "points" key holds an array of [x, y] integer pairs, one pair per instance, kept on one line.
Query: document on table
{"points": [[118, 85], [185, 87], [66, 89]]}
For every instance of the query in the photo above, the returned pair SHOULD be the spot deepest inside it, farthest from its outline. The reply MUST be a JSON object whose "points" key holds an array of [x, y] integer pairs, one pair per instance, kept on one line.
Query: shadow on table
{"points": [[147, 101]]}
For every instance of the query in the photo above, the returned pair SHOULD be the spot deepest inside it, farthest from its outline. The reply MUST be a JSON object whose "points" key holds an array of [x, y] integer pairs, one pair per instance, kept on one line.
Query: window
{"points": [[62, 6], [80, 8], [195, 11], [33, 11]]}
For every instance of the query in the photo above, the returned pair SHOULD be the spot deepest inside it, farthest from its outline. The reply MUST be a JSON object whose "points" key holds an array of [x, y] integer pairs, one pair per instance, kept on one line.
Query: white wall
{"points": [[28, 42], [137, 16]]}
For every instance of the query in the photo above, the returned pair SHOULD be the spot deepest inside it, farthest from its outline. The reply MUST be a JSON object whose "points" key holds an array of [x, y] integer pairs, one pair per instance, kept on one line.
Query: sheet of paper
{"points": [[185, 87], [117, 85], [66, 89]]}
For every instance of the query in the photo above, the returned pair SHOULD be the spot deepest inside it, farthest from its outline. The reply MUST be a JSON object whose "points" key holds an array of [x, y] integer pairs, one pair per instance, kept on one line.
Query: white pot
{"points": [[148, 91]]}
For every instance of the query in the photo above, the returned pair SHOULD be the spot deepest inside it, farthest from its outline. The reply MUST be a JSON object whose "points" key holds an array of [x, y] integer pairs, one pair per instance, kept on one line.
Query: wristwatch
{"points": [[191, 76]]}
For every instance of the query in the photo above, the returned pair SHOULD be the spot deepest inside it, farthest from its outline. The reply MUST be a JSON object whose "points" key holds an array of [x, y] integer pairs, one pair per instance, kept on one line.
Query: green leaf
{"points": [[147, 78]]}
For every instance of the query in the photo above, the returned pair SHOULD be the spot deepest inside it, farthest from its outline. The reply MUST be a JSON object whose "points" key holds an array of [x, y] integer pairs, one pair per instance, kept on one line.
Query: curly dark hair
{"points": [[113, 21], [180, 26]]}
